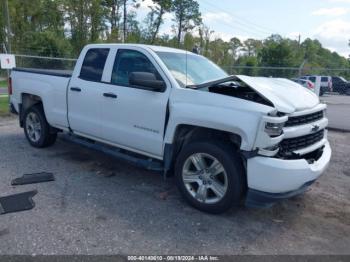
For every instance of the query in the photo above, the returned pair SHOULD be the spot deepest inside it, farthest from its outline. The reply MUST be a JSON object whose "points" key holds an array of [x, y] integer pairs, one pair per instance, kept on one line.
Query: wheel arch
{"points": [[27, 101], [185, 134]]}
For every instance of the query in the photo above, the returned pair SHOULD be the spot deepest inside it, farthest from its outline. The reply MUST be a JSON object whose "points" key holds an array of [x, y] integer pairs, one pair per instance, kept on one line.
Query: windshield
{"points": [[191, 69]]}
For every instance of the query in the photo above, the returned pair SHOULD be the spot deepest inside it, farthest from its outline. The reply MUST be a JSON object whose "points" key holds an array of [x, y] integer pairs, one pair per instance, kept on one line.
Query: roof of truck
{"points": [[152, 47]]}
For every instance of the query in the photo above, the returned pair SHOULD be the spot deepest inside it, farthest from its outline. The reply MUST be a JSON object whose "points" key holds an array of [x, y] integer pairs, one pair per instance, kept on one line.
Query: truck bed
{"points": [[51, 72], [49, 85]]}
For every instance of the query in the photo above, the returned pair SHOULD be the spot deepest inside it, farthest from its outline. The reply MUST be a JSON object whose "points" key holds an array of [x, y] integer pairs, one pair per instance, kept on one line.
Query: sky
{"points": [[325, 20]]}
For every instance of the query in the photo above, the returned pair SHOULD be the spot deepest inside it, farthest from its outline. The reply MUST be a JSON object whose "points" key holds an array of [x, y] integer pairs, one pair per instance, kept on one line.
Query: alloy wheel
{"points": [[205, 178], [33, 127]]}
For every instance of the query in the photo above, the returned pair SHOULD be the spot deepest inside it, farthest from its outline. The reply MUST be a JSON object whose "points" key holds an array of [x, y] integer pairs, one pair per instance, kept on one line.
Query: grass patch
{"points": [[4, 106], [3, 83]]}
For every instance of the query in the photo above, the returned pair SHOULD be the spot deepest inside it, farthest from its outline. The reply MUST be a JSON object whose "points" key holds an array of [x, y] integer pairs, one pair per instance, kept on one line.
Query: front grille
{"points": [[304, 119], [297, 143]]}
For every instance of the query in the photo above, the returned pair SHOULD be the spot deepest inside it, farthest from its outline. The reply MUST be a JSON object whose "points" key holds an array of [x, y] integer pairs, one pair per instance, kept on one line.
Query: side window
{"points": [[94, 63], [324, 79], [129, 61], [312, 79]]}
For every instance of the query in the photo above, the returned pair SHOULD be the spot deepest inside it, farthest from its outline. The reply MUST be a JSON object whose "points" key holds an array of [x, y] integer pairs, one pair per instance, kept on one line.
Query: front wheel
{"points": [[37, 129], [210, 176]]}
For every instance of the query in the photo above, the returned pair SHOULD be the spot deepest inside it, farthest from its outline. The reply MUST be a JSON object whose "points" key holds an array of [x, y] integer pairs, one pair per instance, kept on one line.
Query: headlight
{"points": [[274, 129]]}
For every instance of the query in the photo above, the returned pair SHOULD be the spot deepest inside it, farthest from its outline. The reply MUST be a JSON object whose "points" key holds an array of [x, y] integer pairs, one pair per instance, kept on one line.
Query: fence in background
{"points": [[40, 62], [287, 72]]}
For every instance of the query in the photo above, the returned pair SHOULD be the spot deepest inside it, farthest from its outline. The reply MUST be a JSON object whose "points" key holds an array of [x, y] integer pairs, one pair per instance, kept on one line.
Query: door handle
{"points": [[110, 95], [75, 89]]}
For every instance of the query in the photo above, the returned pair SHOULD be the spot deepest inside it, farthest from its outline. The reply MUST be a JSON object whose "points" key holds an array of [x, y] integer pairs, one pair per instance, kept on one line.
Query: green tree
{"points": [[189, 42], [77, 19], [126, 17], [250, 63], [235, 45], [279, 52], [221, 53], [134, 32], [29, 19], [252, 46], [96, 15], [204, 37], [187, 16], [311, 49], [113, 15], [86, 22], [155, 18], [2, 24]]}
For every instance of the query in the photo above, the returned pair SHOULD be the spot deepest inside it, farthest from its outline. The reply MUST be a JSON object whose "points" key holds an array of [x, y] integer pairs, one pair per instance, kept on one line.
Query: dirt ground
{"points": [[99, 205]]}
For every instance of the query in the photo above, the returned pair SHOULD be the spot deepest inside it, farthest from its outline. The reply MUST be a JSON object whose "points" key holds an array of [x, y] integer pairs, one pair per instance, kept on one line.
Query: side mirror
{"points": [[147, 81]]}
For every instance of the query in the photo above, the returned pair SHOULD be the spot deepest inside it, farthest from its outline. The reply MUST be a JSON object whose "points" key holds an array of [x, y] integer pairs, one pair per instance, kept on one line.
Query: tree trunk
{"points": [[159, 22], [125, 21], [113, 18], [179, 34], [180, 26]]}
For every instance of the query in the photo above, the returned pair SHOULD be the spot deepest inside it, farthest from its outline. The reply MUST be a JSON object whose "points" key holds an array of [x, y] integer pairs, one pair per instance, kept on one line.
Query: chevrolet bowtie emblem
{"points": [[315, 128]]}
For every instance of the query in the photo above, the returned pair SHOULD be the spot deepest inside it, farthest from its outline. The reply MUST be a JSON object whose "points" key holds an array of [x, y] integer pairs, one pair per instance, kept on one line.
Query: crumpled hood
{"points": [[287, 96]]}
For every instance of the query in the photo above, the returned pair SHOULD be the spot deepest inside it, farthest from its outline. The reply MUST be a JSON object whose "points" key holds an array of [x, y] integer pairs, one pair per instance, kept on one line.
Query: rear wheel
{"points": [[37, 129], [210, 176]]}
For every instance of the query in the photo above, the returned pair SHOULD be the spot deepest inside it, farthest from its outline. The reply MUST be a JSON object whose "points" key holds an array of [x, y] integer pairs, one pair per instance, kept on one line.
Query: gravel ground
{"points": [[98, 205]]}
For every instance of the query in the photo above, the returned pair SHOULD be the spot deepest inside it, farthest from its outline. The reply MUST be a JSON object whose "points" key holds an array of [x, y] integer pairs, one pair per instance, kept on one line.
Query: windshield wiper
{"points": [[213, 83]]}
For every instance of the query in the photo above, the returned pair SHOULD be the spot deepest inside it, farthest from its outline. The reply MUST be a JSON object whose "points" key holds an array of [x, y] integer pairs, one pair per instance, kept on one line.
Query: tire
{"points": [[222, 190], [37, 129]]}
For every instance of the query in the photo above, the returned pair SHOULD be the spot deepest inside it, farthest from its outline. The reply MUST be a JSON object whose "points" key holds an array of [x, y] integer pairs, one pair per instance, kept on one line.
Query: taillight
{"points": [[311, 85], [9, 86]]}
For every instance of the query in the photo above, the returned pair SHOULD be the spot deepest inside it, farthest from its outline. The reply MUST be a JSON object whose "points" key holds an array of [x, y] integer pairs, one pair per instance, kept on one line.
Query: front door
{"points": [[135, 118]]}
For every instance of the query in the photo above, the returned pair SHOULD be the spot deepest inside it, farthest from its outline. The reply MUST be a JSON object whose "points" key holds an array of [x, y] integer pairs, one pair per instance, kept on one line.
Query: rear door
{"points": [[85, 100], [136, 118]]}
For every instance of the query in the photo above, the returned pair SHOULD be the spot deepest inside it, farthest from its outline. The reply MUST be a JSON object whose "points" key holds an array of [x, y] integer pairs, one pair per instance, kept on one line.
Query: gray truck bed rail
{"points": [[60, 73]]}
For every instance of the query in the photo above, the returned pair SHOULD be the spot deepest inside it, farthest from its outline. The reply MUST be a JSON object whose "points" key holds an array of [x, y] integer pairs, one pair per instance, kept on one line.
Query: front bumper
{"points": [[271, 179], [260, 199]]}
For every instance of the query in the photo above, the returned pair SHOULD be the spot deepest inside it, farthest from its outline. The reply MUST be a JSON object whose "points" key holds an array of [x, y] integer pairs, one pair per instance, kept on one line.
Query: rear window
{"points": [[94, 63], [324, 79]]}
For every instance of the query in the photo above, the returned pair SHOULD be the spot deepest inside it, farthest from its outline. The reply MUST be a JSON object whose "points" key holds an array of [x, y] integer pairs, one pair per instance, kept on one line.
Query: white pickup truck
{"points": [[227, 139]]}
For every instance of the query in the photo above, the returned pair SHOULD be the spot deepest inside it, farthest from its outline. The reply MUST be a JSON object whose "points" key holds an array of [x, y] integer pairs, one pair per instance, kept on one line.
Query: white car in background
{"points": [[322, 84], [305, 83]]}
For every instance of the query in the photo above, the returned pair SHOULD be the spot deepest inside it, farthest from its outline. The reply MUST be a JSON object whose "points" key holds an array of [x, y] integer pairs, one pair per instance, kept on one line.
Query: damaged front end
{"points": [[234, 87], [295, 127]]}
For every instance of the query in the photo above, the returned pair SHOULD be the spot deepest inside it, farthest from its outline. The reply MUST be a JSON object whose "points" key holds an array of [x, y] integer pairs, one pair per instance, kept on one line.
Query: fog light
{"points": [[274, 129]]}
